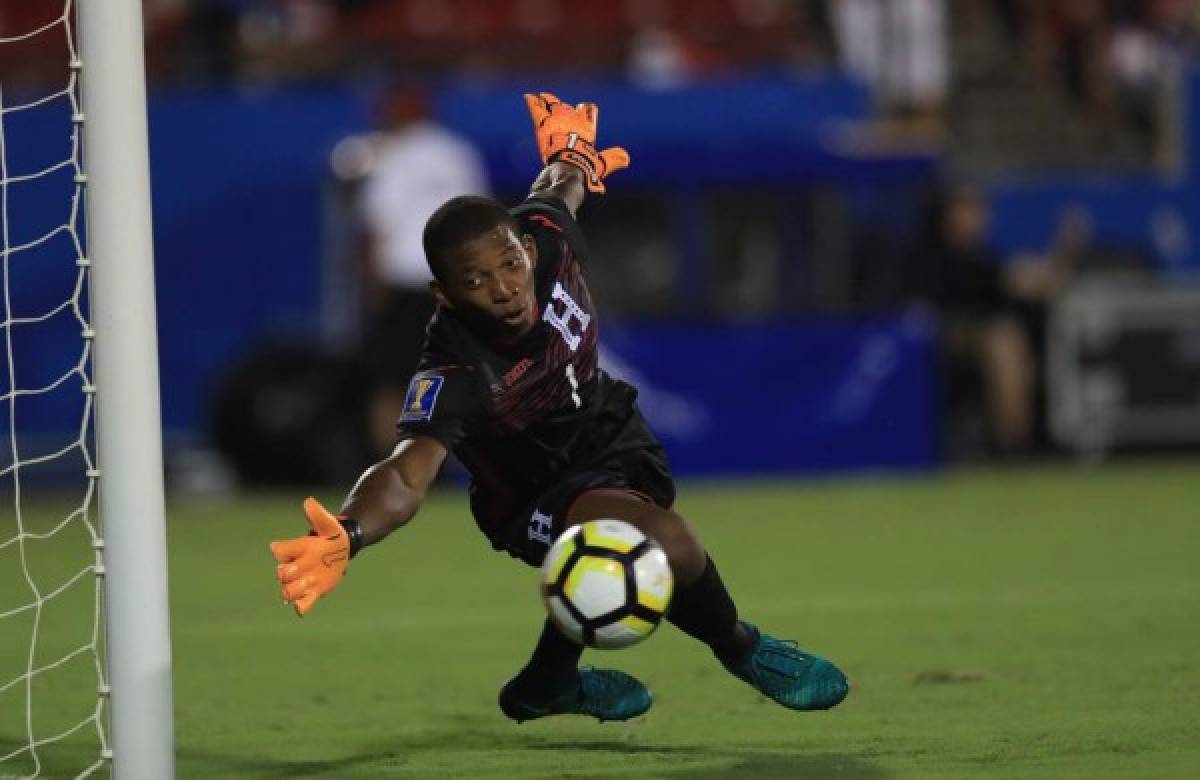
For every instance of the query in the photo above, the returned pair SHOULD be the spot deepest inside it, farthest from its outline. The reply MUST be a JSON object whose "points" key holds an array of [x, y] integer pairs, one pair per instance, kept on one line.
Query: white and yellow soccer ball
{"points": [[606, 584]]}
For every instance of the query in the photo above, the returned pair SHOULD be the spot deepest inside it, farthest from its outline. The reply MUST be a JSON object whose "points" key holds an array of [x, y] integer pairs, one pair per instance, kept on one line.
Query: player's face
{"points": [[489, 282]]}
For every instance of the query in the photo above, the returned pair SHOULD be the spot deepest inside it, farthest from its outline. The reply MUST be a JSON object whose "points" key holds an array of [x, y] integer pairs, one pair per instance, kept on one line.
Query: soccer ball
{"points": [[606, 584]]}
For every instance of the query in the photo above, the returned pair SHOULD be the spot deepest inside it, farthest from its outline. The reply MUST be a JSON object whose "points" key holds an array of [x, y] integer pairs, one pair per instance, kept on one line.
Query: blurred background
{"points": [[912, 241], [856, 234]]}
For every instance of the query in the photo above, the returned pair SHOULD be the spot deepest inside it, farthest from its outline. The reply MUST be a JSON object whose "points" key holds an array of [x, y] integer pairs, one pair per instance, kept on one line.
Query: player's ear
{"points": [[439, 294], [530, 245]]}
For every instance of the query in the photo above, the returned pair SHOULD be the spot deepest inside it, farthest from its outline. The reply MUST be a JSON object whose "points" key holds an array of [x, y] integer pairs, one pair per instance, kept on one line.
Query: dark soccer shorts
{"points": [[643, 473]]}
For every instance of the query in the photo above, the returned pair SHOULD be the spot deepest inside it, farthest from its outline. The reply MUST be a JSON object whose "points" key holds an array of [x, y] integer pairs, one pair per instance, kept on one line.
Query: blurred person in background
{"points": [[1105, 51], [418, 165], [992, 312], [228, 41], [1068, 40], [900, 49], [1150, 44]]}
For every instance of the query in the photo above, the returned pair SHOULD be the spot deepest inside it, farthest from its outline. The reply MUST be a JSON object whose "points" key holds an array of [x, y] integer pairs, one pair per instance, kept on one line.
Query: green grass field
{"points": [[1025, 623]]}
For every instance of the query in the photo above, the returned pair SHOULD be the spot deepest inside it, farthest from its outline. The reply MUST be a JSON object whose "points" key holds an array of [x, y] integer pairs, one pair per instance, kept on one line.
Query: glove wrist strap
{"points": [[583, 156], [353, 531]]}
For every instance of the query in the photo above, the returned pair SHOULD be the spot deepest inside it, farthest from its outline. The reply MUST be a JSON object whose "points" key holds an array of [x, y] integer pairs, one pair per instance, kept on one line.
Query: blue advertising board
{"points": [[784, 397]]}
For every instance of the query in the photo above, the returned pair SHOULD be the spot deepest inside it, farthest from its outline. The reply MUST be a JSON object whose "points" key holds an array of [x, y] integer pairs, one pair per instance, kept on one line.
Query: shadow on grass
{"points": [[393, 759], [776, 766], [201, 764], [768, 765]]}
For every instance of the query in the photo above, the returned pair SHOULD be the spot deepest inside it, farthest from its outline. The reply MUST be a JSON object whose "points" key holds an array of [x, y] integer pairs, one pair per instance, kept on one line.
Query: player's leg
{"points": [[1009, 372], [703, 608], [552, 668], [552, 682]]}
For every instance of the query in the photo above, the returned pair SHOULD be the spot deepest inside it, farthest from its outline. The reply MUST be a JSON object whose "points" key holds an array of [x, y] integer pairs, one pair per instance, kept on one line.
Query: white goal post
{"points": [[79, 375], [128, 422]]}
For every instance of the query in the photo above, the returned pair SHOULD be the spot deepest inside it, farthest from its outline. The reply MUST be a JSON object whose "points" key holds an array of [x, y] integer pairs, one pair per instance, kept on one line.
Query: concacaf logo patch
{"points": [[421, 398]]}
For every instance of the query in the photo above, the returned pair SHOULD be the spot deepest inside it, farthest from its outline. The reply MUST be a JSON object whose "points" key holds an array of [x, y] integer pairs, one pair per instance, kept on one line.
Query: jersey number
{"points": [[571, 312], [575, 399]]}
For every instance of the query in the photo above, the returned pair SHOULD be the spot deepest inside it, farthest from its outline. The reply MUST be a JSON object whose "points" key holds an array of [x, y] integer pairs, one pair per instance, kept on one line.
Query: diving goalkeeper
{"points": [[508, 381]]}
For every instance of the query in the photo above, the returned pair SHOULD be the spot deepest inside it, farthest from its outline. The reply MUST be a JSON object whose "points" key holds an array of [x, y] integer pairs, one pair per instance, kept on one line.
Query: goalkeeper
{"points": [[508, 382]]}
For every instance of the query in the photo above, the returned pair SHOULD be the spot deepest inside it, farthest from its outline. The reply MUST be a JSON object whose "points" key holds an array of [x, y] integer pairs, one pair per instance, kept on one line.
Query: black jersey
{"points": [[523, 417]]}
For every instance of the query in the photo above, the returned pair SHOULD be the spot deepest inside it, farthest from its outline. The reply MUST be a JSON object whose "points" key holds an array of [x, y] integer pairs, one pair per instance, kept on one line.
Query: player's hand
{"points": [[568, 133], [311, 566]]}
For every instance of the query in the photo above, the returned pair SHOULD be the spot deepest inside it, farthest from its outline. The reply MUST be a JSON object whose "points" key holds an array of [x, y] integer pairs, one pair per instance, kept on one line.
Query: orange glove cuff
{"points": [[582, 155]]}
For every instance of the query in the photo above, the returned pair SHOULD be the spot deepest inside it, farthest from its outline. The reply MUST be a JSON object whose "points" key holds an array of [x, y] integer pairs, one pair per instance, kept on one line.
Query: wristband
{"points": [[353, 531]]}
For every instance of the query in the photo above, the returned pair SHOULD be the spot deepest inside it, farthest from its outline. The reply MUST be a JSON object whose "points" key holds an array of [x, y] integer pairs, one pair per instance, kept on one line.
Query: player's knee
{"points": [[684, 552]]}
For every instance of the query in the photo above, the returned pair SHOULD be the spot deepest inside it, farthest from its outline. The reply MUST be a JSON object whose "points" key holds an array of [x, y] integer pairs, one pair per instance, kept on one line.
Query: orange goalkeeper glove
{"points": [[311, 566], [568, 133]]}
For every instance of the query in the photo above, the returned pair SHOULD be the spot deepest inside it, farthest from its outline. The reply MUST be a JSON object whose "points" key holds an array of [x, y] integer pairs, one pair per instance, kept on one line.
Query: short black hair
{"points": [[458, 221]]}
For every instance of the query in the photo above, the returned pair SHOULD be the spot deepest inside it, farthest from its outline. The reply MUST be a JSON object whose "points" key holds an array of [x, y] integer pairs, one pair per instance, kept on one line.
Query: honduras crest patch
{"points": [[421, 398]]}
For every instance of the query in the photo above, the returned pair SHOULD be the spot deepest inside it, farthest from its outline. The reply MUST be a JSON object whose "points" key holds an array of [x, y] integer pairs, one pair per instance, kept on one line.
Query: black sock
{"points": [[705, 610], [553, 664]]}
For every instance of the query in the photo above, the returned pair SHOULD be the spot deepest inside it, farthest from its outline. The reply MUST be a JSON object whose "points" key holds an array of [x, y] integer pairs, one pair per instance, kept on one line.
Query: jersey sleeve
{"points": [[550, 223], [442, 403]]}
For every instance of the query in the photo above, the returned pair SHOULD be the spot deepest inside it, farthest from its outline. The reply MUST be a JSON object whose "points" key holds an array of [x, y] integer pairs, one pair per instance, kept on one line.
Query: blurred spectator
{"points": [[227, 40], [1147, 49], [1070, 37], [899, 48], [1091, 41], [657, 55], [992, 313], [659, 41], [1113, 59], [418, 165], [287, 39]]}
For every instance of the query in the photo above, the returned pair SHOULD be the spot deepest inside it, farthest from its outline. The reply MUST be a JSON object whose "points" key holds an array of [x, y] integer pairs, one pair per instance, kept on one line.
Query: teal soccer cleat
{"points": [[605, 694], [788, 675]]}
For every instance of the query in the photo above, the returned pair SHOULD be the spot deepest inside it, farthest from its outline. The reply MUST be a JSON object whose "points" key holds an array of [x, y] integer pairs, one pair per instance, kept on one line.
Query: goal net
{"points": [[53, 687]]}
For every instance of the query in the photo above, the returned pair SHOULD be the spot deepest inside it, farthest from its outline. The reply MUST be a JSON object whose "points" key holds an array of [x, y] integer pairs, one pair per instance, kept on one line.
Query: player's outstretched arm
{"points": [[389, 493], [385, 497], [566, 134], [562, 181]]}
